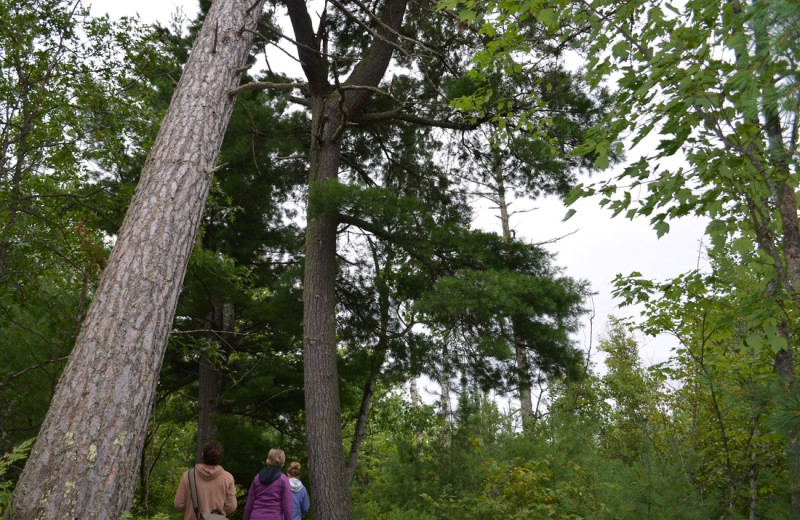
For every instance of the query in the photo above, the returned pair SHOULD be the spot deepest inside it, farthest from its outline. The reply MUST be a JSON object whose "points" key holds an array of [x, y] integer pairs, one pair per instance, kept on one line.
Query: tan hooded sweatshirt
{"points": [[215, 490]]}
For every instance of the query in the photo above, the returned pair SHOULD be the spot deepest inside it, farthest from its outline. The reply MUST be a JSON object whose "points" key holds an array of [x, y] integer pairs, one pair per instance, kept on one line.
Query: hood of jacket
{"points": [[206, 472], [269, 475], [296, 484]]}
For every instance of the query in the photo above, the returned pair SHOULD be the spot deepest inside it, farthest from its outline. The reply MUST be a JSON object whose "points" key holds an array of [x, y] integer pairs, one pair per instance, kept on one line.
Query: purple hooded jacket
{"points": [[270, 496]]}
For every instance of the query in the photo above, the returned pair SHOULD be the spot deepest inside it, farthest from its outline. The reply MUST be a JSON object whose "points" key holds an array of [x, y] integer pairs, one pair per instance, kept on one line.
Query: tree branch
{"points": [[265, 85], [404, 241], [314, 66], [390, 30], [32, 368], [398, 115], [375, 61]]}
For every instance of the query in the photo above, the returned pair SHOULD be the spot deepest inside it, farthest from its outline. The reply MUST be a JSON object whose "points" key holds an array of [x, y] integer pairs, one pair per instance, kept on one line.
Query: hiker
{"points": [[216, 492], [270, 495], [300, 503]]}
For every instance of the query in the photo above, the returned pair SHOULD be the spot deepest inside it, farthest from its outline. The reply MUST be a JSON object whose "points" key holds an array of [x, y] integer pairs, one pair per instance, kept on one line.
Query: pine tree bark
{"points": [[85, 459], [331, 108]]}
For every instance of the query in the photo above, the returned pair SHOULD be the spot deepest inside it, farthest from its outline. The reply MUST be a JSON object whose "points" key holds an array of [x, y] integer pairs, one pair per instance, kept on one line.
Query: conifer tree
{"points": [[97, 420]]}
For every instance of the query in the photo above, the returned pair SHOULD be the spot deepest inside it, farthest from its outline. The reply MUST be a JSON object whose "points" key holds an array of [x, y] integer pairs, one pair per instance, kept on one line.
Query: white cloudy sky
{"points": [[595, 247]]}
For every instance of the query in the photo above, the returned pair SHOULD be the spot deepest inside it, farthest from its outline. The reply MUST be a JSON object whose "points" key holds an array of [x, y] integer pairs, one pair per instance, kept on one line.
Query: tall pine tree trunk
{"points": [[321, 379], [785, 200], [785, 249], [331, 108], [84, 462]]}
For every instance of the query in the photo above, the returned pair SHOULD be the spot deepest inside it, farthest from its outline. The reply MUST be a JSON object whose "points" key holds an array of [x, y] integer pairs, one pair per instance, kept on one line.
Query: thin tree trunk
{"points": [[84, 462], [693, 449], [220, 325], [753, 484], [415, 402], [525, 385], [28, 115], [361, 428], [207, 394], [413, 393], [444, 381], [521, 354], [376, 363]]}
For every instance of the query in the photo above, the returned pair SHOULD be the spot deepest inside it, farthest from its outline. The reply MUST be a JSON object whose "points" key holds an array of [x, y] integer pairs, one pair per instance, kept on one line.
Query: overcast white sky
{"points": [[595, 247]]}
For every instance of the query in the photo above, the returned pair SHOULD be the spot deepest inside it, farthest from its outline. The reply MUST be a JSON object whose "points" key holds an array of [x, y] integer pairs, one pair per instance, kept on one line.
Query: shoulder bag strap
{"points": [[193, 488]]}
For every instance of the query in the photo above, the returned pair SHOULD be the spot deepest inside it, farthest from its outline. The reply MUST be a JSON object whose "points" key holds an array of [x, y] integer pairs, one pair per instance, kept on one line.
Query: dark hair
{"points": [[294, 470], [212, 453]]}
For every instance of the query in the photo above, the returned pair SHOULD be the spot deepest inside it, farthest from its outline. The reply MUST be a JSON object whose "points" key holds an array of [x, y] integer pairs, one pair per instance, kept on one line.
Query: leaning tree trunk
{"points": [[84, 462], [375, 363], [332, 107]]}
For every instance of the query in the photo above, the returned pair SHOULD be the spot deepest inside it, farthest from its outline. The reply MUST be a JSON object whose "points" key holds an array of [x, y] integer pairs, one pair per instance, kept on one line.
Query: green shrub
{"points": [[10, 464]]}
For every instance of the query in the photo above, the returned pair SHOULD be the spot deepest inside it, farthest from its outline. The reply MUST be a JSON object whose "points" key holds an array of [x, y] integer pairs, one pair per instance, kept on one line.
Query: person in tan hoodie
{"points": [[216, 492]]}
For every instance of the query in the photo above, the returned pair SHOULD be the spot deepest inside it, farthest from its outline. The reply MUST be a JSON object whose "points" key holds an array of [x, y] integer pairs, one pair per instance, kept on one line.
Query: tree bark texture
{"points": [[207, 395], [331, 108], [786, 202], [84, 462]]}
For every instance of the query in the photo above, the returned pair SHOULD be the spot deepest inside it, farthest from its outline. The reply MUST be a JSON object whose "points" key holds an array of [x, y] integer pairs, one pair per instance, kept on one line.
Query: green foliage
{"points": [[634, 394], [127, 515], [527, 491], [480, 467], [699, 437], [10, 466], [476, 301], [708, 92], [76, 113], [727, 392], [669, 441], [786, 418]]}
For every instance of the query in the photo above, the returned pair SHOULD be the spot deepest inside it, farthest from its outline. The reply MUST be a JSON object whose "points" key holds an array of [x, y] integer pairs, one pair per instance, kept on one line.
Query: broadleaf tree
{"points": [[716, 86], [708, 92]]}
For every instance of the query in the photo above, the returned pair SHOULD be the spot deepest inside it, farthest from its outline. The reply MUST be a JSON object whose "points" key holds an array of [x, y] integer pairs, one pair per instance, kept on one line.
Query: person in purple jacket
{"points": [[270, 495]]}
